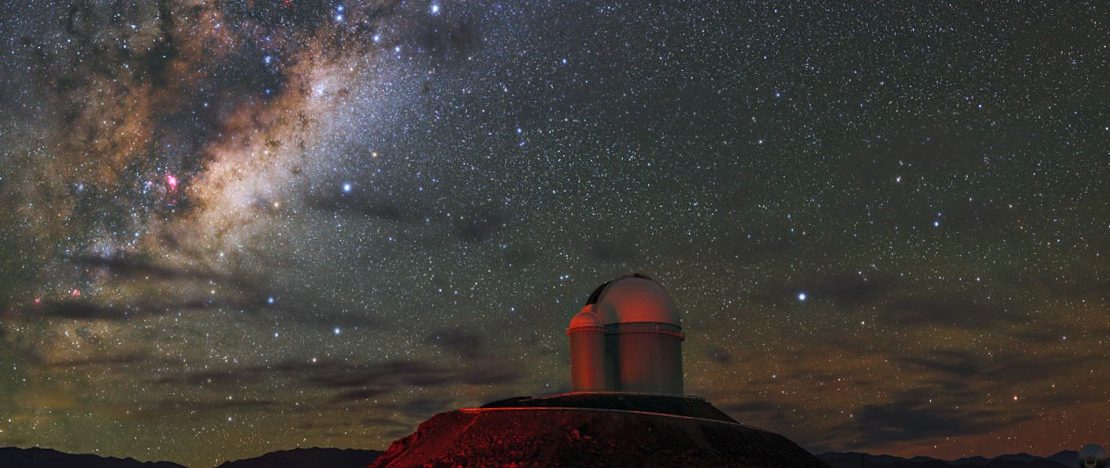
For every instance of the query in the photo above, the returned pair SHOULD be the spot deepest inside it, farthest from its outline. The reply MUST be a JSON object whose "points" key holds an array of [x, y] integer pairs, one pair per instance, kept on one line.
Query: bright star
{"points": [[347, 187], [802, 296]]}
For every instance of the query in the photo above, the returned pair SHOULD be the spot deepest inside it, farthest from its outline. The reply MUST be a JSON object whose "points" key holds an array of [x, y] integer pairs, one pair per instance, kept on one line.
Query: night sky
{"points": [[230, 228]]}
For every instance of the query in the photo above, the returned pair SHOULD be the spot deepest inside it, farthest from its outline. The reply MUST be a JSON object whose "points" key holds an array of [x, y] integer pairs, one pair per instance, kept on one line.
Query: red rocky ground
{"points": [[589, 437]]}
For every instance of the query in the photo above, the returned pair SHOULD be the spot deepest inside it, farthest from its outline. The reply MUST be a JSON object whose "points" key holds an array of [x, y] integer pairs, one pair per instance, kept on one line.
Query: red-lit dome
{"points": [[635, 299], [585, 319]]}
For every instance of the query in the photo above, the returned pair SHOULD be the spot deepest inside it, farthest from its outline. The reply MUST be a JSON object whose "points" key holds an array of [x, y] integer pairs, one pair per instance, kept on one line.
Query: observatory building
{"points": [[627, 338], [626, 373]]}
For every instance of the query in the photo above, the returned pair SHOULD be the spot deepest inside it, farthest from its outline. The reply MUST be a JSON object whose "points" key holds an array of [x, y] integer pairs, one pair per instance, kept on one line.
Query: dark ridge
{"points": [[1067, 458], [35, 457], [308, 457]]}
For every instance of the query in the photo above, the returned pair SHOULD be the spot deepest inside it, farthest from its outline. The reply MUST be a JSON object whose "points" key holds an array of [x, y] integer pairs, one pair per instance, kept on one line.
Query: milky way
{"points": [[236, 227]]}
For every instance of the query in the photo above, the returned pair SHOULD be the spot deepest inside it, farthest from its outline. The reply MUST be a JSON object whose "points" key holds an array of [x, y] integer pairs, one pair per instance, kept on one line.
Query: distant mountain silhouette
{"points": [[553, 436], [1066, 458], [550, 432], [11, 457], [309, 458]]}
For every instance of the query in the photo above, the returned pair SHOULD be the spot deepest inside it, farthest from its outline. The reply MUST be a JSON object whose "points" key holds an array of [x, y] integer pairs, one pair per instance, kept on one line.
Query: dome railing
{"points": [[660, 328]]}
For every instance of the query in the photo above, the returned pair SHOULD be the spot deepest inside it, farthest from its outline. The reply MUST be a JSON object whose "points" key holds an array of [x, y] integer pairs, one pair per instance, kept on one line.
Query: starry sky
{"points": [[233, 227]]}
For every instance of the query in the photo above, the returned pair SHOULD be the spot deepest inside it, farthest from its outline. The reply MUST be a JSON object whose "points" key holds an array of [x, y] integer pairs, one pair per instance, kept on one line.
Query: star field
{"points": [[237, 227]]}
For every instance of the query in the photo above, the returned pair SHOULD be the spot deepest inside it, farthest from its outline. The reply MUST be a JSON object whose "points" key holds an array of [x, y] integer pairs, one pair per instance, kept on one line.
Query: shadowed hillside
{"points": [[589, 437]]}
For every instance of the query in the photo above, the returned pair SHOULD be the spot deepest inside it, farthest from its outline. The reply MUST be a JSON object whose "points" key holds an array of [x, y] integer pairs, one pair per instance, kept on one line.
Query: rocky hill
{"points": [[549, 435]]}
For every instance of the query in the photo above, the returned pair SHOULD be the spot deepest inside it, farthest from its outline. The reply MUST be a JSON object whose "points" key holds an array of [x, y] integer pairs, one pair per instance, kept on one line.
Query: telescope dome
{"points": [[585, 319], [634, 299]]}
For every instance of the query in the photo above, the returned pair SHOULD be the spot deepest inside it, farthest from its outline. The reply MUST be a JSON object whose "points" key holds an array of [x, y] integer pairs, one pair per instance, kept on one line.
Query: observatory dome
{"points": [[627, 338], [586, 319], [633, 299]]}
